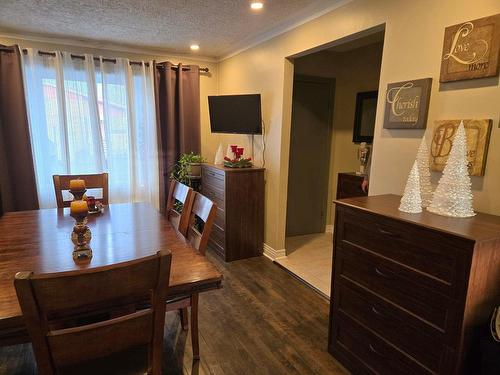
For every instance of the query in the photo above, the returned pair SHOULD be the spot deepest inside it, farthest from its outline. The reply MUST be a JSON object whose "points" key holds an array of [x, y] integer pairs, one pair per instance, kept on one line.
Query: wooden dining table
{"points": [[40, 241]]}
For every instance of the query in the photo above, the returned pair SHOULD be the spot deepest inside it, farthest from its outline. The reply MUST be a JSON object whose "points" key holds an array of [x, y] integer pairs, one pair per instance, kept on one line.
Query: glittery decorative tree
{"points": [[424, 173], [411, 201], [453, 196]]}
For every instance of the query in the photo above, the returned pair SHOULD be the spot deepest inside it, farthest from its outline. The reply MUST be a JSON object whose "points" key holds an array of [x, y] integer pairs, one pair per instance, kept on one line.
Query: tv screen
{"points": [[238, 114]]}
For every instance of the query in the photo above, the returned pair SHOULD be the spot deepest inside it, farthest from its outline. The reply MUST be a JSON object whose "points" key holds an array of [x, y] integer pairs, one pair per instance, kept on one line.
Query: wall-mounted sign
{"points": [[407, 104], [471, 50], [478, 137]]}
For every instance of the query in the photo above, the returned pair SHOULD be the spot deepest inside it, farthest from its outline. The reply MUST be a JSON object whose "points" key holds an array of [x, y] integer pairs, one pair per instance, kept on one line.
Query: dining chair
{"points": [[92, 181], [200, 223], [47, 300], [184, 194]]}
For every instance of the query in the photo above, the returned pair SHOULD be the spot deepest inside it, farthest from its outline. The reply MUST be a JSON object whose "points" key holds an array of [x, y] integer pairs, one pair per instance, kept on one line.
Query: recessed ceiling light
{"points": [[195, 47], [256, 5]]}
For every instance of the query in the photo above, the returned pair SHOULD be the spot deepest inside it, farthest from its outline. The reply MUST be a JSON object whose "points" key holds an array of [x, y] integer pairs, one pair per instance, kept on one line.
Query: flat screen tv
{"points": [[237, 114]]}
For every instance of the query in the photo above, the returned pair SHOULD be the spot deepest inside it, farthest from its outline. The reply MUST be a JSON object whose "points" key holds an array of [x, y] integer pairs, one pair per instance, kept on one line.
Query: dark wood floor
{"points": [[263, 321]]}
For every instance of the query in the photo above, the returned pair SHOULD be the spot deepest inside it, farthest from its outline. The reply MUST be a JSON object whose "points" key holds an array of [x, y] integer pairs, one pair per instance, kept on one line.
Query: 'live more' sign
{"points": [[471, 50]]}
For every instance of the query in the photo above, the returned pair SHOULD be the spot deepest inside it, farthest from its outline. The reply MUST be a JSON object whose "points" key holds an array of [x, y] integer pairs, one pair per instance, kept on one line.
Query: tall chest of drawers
{"points": [[238, 229], [410, 291]]}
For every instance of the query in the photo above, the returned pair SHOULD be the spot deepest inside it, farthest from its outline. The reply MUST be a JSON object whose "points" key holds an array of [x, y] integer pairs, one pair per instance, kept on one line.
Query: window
{"points": [[92, 116]]}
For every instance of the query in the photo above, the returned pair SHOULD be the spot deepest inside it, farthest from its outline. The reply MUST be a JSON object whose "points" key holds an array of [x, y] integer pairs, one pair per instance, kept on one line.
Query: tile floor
{"points": [[309, 257]]}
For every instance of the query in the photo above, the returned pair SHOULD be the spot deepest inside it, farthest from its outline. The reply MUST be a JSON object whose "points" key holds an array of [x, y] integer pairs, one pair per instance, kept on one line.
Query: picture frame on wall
{"points": [[407, 104], [471, 50], [364, 116], [478, 132]]}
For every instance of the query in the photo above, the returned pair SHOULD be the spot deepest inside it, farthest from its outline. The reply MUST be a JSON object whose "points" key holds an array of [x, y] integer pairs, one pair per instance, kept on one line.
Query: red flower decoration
{"points": [[234, 148]]}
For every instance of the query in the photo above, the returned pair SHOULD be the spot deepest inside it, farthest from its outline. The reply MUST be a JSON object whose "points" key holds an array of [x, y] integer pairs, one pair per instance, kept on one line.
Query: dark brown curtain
{"points": [[178, 117], [17, 174]]}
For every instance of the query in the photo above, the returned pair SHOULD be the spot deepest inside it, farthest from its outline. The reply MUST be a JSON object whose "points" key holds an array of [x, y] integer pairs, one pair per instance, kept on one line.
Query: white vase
{"points": [[219, 155]]}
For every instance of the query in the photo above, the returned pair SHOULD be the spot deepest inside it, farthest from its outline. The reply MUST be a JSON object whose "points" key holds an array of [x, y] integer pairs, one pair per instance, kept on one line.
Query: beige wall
{"points": [[354, 71], [208, 82], [412, 49]]}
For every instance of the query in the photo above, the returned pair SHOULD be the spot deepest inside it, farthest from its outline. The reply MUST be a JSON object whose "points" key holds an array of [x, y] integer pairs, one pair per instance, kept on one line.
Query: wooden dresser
{"points": [[238, 230], [349, 185], [410, 291]]}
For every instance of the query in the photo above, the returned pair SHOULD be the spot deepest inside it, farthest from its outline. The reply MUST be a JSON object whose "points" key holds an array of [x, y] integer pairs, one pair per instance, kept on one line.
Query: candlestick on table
{"points": [[77, 184], [79, 207], [81, 234], [77, 188]]}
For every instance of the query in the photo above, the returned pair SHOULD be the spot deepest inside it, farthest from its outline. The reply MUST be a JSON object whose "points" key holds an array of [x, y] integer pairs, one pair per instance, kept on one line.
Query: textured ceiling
{"points": [[220, 27]]}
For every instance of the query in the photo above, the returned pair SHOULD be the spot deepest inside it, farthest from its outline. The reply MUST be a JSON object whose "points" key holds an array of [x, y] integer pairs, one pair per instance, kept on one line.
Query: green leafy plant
{"points": [[178, 206], [182, 168]]}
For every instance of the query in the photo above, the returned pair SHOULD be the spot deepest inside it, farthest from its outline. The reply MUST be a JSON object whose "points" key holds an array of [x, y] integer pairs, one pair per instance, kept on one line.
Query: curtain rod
{"points": [[204, 70], [25, 51]]}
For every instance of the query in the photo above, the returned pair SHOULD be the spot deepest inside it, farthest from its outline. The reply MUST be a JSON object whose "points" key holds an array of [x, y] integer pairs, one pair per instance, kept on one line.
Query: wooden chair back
{"points": [[204, 209], [48, 299], [92, 181], [185, 195]]}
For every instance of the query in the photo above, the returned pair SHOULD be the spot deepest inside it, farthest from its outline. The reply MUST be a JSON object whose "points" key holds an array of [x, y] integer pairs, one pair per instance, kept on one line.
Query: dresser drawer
{"points": [[218, 248], [213, 193], [218, 235], [367, 353], [441, 257], [213, 177], [398, 284], [422, 342], [220, 218]]}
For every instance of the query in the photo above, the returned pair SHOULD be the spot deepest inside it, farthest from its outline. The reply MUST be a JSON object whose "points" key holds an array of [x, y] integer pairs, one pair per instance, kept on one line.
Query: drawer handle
{"points": [[387, 233], [375, 350], [375, 311], [383, 274]]}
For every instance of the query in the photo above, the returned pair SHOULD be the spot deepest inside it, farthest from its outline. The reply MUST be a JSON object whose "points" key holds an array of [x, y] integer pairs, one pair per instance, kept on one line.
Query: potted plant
{"points": [[187, 168], [193, 164]]}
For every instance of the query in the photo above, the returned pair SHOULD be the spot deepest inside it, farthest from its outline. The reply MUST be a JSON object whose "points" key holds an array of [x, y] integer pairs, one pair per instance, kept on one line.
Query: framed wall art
{"points": [[407, 104], [471, 50], [364, 117], [478, 138]]}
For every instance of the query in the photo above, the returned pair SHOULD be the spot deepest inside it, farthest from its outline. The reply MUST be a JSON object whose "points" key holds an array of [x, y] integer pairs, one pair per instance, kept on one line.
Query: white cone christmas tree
{"points": [[411, 201], [424, 173], [453, 196]]}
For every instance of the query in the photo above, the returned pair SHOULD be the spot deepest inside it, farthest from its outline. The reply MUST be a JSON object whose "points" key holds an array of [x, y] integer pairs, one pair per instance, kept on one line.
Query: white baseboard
{"points": [[273, 254], [329, 229]]}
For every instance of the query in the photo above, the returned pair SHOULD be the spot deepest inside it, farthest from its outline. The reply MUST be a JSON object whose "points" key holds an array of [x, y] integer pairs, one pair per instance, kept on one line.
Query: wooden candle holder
{"points": [[78, 194], [81, 237]]}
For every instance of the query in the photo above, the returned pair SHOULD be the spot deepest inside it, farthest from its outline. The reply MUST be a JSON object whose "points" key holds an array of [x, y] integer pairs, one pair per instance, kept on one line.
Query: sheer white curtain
{"points": [[90, 116]]}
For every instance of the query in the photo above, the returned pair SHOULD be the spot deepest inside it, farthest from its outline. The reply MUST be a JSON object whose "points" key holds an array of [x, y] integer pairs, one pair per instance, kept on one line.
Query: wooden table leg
{"points": [[184, 318], [194, 326]]}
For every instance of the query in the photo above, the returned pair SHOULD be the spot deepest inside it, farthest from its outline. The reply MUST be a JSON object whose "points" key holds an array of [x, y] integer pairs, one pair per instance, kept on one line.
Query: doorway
{"points": [[327, 85], [312, 108]]}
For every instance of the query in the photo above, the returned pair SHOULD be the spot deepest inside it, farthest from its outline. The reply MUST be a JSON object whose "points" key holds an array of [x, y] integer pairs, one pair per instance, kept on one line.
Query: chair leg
{"points": [[194, 326], [184, 318]]}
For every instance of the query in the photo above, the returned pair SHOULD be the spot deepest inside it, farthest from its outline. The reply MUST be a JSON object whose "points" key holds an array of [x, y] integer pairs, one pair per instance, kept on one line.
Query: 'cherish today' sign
{"points": [[407, 103]]}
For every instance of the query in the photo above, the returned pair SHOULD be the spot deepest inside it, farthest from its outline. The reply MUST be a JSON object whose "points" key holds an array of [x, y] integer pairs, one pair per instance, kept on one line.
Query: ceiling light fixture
{"points": [[195, 47], [256, 5]]}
